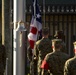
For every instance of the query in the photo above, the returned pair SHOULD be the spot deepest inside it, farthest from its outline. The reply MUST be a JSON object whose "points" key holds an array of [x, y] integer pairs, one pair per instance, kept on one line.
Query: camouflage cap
{"points": [[57, 42], [59, 34]]}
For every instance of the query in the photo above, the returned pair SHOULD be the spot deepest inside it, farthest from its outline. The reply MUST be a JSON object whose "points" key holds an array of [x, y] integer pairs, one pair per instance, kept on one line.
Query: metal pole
{"points": [[35, 1], [44, 10], [6, 73], [19, 39], [35, 11], [19, 11]]}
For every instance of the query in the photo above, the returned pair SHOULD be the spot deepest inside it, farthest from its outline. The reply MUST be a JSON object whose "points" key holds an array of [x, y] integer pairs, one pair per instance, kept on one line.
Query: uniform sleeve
{"points": [[66, 68], [45, 64], [36, 50]]}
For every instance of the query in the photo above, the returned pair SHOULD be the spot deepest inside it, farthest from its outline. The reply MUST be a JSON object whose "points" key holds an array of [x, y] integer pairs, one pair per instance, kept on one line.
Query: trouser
{"points": [[33, 67]]}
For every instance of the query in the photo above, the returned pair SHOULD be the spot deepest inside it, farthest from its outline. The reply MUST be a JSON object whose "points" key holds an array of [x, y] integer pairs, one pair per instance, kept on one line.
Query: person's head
{"points": [[74, 47], [59, 35], [45, 32], [56, 44]]}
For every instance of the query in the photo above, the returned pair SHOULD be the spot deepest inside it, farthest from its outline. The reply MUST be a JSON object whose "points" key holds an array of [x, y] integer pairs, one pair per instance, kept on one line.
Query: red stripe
{"points": [[34, 30], [45, 65], [31, 43]]}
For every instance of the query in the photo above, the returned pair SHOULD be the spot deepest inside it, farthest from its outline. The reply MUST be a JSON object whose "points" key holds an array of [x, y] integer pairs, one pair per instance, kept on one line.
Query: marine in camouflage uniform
{"points": [[60, 35], [42, 47], [2, 57], [70, 65], [54, 62], [32, 62]]}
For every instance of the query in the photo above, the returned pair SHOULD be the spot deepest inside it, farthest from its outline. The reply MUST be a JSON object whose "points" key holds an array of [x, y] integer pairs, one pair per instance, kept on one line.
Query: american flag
{"points": [[36, 25]]}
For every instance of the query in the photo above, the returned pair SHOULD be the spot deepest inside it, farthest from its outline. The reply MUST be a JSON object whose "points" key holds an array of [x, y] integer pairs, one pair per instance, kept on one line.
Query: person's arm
{"points": [[36, 52], [29, 53], [45, 67], [66, 68]]}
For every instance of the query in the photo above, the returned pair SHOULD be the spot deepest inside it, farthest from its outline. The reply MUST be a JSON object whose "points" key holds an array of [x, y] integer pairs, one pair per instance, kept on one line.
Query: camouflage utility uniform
{"points": [[70, 66], [42, 47], [54, 62]]}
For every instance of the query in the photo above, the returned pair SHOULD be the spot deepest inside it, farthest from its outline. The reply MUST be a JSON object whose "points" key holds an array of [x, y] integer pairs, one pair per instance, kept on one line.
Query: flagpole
{"points": [[19, 39], [35, 2], [44, 11], [35, 11], [35, 8]]}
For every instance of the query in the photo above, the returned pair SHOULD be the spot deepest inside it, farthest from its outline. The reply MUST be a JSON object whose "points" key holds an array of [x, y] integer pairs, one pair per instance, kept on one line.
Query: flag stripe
{"points": [[32, 43], [31, 36], [34, 30], [39, 26]]}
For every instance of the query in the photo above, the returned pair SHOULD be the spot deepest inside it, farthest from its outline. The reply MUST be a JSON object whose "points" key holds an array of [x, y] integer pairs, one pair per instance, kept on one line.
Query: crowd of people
{"points": [[50, 57]]}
